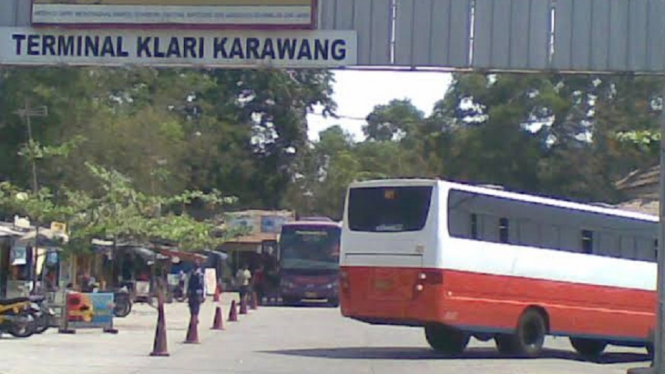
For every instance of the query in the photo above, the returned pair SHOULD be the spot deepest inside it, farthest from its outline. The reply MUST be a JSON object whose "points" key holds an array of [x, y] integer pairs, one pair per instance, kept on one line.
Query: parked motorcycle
{"points": [[44, 316], [123, 303], [16, 317]]}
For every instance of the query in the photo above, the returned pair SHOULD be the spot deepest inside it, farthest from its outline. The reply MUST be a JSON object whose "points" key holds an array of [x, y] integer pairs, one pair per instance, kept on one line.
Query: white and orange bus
{"points": [[468, 261]]}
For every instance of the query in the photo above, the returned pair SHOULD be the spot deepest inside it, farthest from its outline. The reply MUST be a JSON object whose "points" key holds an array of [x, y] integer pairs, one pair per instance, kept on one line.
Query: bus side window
{"points": [[474, 226], [503, 230], [644, 250], [609, 245], [587, 241], [628, 247], [550, 236], [487, 227], [529, 233]]}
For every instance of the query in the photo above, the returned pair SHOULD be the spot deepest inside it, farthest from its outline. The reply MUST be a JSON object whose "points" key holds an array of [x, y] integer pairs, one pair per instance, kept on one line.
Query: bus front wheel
{"points": [[445, 339]]}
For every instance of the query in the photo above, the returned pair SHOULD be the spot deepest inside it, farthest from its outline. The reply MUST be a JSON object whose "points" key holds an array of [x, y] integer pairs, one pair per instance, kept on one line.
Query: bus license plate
{"points": [[311, 294]]}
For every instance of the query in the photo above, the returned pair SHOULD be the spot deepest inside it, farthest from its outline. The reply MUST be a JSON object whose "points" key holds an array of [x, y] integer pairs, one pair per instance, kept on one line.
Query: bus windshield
{"points": [[389, 209], [310, 247]]}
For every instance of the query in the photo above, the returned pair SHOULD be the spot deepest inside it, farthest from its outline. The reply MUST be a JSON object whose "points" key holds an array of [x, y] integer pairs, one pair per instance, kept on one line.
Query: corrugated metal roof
{"points": [[641, 206], [639, 178]]}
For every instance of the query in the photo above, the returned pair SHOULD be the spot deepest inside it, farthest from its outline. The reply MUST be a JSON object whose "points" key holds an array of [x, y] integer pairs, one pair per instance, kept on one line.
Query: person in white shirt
{"points": [[243, 277]]}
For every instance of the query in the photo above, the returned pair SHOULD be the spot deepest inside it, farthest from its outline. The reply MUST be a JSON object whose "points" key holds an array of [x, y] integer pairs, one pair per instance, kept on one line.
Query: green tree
{"points": [[203, 129], [393, 121], [267, 109]]}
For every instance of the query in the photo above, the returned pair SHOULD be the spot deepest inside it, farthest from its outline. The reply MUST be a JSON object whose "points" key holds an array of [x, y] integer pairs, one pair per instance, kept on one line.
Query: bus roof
{"points": [[316, 219], [312, 223], [394, 182], [507, 194]]}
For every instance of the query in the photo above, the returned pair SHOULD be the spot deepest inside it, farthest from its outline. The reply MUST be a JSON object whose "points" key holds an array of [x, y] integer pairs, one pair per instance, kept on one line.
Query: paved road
{"points": [[277, 340]]}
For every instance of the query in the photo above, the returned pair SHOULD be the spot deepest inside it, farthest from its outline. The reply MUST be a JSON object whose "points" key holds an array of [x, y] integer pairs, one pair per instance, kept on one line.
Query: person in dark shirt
{"points": [[195, 289]]}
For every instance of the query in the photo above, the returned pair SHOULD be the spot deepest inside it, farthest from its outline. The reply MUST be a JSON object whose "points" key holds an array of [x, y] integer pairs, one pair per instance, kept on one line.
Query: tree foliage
{"points": [[569, 137], [119, 212], [125, 146], [169, 130]]}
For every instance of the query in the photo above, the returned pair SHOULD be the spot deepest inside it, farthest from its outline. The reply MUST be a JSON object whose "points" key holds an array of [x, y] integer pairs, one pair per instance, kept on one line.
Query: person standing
{"points": [[243, 277], [258, 283], [195, 289]]}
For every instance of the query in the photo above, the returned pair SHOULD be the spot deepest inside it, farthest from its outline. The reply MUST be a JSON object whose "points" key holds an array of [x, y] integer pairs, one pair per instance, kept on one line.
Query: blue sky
{"points": [[357, 92]]}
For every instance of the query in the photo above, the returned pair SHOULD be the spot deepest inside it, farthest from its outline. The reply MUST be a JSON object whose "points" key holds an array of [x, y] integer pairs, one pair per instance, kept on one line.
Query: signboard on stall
{"points": [[182, 13], [272, 224], [59, 227], [244, 220], [89, 310]]}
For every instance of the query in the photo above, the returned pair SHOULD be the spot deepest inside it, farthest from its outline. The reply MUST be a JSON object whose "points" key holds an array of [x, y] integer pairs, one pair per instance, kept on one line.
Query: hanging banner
{"points": [[18, 256], [237, 49], [195, 13]]}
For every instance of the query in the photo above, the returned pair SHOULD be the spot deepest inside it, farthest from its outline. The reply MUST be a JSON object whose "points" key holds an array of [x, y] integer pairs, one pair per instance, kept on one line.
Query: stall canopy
{"points": [[8, 232], [183, 256], [47, 237], [222, 255], [147, 254]]}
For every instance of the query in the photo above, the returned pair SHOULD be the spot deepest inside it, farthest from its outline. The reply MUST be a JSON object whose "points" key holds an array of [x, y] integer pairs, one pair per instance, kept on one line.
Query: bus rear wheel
{"points": [[446, 339], [588, 348], [529, 337]]}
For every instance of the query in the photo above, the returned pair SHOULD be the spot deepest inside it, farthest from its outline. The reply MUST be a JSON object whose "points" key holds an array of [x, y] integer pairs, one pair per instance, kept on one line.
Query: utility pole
{"points": [[26, 114]]}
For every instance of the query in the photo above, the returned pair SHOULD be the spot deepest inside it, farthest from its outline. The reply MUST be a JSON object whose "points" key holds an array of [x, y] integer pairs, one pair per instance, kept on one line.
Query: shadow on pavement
{"points": [[299, 305], [393, 353]]}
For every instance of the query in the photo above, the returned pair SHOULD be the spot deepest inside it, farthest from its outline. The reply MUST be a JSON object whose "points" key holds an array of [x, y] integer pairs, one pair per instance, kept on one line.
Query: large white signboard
{"points": [[281, 49], [209, 13]]}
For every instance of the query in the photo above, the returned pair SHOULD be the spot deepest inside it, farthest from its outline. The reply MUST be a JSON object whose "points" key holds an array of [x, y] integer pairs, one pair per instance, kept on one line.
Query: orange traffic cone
{"points": [[243, 305], [253, 302], [192, 331], [159, 348], [218, 323], [233, 312]]}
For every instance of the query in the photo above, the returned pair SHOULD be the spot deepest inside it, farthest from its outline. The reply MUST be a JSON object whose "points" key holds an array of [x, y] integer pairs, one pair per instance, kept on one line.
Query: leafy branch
{"points": [[33, 150], [645, 140], [120, 211], [40, 206]]}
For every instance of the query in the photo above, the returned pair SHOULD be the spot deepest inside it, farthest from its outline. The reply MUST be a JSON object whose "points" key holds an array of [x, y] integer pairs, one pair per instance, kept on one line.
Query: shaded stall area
{"points": [[30, 262], [7, 237], [138, 268]]}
